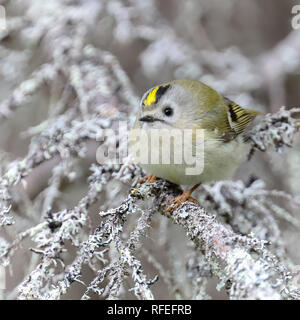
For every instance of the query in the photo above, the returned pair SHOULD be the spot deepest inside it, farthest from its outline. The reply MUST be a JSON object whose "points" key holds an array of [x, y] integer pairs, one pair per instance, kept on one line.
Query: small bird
{"points": [[190, 104]]}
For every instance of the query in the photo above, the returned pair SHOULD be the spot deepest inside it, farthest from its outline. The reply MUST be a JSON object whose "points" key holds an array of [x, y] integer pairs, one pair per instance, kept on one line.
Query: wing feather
{"points": [[238, 117]]}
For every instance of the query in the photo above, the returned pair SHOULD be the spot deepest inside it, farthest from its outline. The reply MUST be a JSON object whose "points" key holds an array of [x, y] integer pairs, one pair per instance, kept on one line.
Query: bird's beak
{"points": [[148, 119]]}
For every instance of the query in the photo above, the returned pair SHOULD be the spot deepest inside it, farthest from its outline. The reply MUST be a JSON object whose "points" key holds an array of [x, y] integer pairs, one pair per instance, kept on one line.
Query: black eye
{"points": [[168, 111]]}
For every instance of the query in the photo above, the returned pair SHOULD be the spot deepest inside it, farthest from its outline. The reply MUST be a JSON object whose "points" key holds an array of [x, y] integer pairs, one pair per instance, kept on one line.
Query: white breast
{"points": [[221, 160]]}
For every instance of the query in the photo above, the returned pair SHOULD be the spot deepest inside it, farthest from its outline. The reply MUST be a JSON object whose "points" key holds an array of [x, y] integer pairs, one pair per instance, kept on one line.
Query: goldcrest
{"points": [[189, 104]]}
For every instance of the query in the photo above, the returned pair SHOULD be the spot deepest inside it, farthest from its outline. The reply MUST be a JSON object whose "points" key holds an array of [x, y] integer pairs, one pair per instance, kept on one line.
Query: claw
{"points": [[178, 201], [150, 179], [185, 196]]}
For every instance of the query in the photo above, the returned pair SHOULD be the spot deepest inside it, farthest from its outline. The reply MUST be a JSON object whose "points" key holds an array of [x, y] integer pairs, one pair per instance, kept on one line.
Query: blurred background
{"points": [[245, 49]]}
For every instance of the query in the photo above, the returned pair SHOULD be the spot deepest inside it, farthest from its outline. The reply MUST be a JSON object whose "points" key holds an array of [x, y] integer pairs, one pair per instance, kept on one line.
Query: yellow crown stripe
{"points": [[151, 98]]}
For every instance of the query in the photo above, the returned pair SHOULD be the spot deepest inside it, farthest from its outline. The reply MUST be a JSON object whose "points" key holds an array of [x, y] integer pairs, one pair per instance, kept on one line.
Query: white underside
{"points": [[221, 160]]}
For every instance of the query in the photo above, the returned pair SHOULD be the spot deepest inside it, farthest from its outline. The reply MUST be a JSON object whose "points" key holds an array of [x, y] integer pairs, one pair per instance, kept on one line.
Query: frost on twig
{"points": [[275, 130], [242, 263]]}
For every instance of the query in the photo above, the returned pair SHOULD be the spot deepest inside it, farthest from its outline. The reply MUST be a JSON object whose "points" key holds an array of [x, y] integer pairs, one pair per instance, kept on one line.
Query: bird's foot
{"points": [[150, 179], [178, 201], [185, 196]]}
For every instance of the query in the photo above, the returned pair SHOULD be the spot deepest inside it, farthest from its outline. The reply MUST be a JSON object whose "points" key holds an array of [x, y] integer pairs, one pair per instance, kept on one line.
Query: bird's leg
{"points": [[185, 196], [150, 179]]}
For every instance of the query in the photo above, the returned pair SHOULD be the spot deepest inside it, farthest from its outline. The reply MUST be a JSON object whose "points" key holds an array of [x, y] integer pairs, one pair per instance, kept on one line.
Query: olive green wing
{"points": [[239, 118]]}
